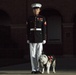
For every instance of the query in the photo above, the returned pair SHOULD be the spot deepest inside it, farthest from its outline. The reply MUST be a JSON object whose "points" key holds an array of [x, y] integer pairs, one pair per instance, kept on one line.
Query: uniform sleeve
{"points": [[44, 29], [28, 30]]}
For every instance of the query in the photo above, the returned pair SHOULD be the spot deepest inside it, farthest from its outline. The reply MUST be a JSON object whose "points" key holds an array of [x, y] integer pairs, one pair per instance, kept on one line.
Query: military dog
{"points": [[48, 61]]}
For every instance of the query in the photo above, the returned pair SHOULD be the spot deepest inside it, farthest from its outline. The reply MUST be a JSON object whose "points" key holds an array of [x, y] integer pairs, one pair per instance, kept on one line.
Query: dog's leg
{"points": [[54, 65], [48, 67], [43, 70]]}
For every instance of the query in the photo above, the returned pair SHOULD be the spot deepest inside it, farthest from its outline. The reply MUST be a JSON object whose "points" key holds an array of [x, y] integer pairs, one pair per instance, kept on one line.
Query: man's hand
{"points": [[28, 41], [44, 41]]}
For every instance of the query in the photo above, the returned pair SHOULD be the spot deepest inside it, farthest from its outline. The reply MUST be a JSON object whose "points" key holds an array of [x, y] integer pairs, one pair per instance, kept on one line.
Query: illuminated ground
{"points": [[65, 66], [28, 73]]}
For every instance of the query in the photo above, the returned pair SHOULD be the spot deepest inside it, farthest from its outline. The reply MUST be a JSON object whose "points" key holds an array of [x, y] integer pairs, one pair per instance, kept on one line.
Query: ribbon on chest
{"points": [[40, 19]]}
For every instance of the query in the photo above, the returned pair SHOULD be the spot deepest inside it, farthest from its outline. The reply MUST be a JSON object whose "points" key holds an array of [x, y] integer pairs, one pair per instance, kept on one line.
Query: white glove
{"points": [[28, 41], [44, 41]]}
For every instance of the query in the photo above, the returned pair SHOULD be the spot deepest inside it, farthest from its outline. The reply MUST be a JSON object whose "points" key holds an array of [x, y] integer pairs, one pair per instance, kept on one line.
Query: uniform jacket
{"points": [[36, 22]]}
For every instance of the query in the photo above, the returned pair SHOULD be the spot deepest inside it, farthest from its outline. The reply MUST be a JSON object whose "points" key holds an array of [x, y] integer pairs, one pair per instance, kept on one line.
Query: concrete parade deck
{"points": [[65, 66]]}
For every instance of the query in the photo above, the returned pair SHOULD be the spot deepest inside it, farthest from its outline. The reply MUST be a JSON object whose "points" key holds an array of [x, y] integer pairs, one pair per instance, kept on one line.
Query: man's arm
{"points": [[44, 31], [27, 23]]}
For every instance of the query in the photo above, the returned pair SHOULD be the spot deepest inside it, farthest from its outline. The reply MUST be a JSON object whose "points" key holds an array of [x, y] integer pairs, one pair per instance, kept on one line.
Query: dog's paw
{"points": [[48, 73], [42, 72], [54, 72]]}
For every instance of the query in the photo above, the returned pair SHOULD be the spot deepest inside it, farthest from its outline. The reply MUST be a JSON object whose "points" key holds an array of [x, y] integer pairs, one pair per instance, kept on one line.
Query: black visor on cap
{"points": [[35, 7]]}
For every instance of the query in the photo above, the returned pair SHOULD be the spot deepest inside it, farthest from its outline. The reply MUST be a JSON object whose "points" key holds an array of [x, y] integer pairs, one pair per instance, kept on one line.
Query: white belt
{"points": [[37, 29]]}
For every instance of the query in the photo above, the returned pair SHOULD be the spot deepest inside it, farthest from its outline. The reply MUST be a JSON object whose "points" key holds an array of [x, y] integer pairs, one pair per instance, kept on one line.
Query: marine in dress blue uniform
{"points": [[36, 36]]}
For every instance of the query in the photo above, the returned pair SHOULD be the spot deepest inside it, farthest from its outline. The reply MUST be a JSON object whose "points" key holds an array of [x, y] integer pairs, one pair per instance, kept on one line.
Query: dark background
{"points": [[61, 29]]}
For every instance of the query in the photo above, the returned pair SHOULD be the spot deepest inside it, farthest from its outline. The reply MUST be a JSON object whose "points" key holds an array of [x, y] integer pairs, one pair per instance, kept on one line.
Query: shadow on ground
{"points": [[63, 64]]}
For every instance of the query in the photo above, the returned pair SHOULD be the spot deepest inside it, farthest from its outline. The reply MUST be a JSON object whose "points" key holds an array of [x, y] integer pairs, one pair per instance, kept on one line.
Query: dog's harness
{"points": [[50, 58]]}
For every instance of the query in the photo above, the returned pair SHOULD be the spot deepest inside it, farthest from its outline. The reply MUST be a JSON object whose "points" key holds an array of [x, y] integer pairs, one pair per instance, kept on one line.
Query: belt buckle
{"points": [[35, 28]]}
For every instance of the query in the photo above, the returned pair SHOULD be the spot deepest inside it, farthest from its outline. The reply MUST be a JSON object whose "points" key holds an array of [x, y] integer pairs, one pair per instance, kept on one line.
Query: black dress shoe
{"points": [[33, 72], [38, 72]]}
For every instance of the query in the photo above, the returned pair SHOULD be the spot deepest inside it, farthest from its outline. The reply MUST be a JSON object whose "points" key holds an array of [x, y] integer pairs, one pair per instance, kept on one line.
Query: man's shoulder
{"points": [[41, 16]]}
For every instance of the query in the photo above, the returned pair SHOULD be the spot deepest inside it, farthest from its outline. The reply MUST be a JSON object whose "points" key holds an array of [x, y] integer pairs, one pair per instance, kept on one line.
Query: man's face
{"points": [[36, 11]]}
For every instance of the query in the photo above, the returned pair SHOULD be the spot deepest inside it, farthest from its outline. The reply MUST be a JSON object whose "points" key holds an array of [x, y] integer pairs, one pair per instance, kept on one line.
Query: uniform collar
{"points": [[36, 15]]}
